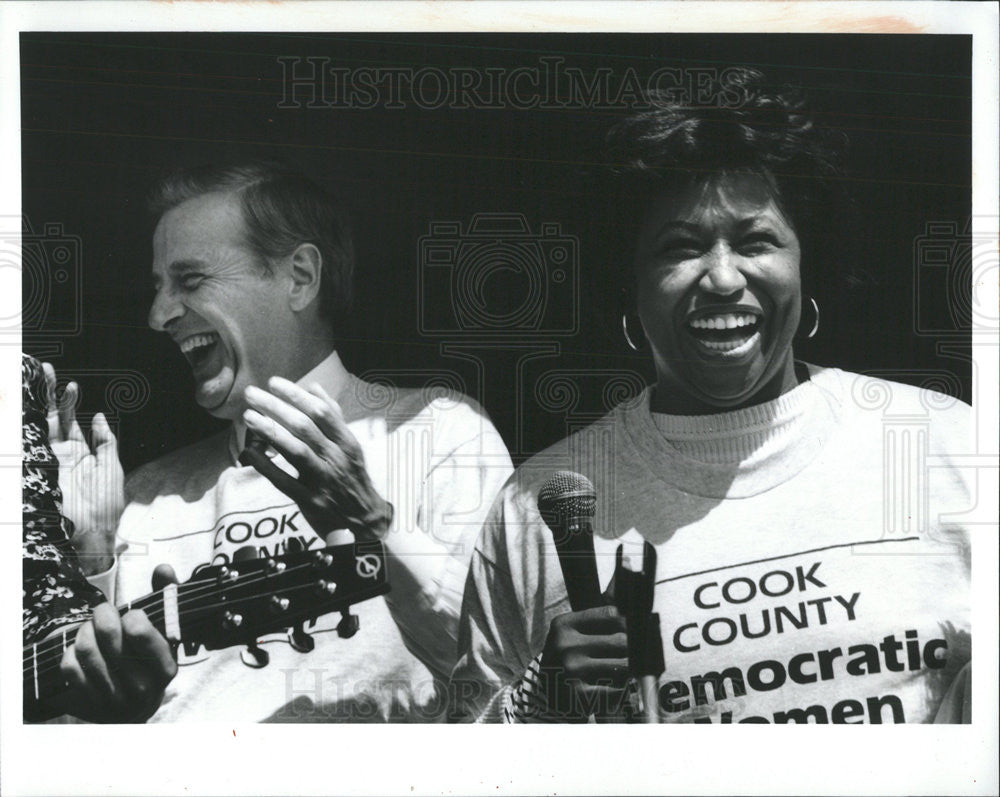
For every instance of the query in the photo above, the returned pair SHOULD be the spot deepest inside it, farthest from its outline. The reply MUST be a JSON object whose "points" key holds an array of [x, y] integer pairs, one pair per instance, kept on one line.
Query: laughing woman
{"points": [[810, 569]]}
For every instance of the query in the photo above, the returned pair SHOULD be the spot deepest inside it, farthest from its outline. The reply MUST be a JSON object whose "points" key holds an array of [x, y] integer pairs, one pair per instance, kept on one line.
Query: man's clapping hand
{"points": [[333, 488], [91, 478]]}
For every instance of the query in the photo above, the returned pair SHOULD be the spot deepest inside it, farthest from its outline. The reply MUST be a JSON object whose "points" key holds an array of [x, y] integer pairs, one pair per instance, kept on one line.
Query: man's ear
{"points": [[306, 264]]}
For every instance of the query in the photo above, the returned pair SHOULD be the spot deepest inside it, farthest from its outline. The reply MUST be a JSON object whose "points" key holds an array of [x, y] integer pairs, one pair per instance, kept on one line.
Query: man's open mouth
{"points": [[725, 334], [197, 349]]}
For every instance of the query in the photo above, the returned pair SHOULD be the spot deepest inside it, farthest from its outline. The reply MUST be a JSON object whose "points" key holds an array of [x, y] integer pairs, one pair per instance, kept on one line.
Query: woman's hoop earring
{"points": [[628, 338], [815, 326]]}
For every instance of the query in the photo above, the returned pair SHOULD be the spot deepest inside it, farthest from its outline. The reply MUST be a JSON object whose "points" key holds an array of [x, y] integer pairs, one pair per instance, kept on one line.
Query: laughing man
{"points": [[252, 268]]}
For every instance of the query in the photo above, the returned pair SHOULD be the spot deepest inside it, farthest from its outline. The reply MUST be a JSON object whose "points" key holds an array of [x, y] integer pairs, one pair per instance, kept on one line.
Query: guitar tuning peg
{"points": [[300, 640], [278, 605], [348, 625], [254, 656], [226, 575], [231, 621]]}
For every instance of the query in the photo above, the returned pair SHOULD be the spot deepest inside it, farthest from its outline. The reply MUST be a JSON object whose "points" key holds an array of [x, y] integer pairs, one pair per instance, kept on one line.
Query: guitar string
{"points": [[195, 591], [53, 650], [54, 661], [192, 595]]}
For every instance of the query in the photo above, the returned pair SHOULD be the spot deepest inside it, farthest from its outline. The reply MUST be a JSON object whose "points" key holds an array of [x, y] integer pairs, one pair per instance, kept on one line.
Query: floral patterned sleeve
{"points": [[55, 591]]}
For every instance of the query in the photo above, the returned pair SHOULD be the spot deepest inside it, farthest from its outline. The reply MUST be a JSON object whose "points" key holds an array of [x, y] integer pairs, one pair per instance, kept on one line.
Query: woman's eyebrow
{"points": [[675, 225], [757, 221]]}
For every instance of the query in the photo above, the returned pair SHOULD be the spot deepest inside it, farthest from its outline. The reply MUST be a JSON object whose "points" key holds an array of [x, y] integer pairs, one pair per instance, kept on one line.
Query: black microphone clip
{"points": [[634, 599]]}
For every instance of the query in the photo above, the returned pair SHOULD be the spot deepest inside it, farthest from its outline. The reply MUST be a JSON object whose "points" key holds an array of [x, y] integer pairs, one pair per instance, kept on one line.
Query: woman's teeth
{"points": [[728, 321], [726, 345], [726, 334]]}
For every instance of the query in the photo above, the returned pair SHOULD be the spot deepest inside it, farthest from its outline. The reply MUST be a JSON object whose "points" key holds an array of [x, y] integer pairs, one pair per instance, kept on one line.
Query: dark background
{"points": [[103, 115]]}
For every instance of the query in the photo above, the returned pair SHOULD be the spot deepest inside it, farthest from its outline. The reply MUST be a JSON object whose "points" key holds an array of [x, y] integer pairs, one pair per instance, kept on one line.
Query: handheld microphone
{"points": [[567, 503]]}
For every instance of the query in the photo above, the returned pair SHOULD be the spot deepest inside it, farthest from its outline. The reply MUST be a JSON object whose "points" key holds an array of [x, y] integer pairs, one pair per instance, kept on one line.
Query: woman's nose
{"points": [[722, 272], [165, 308]]}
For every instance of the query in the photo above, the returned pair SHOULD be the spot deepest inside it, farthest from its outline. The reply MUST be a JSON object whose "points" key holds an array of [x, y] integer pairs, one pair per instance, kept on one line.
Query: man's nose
{"points": [[165, 309], [723, 275]]}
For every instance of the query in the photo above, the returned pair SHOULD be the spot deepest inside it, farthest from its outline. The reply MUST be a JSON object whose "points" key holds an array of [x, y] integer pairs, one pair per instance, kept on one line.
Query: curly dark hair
{"points": [[761, 129]]}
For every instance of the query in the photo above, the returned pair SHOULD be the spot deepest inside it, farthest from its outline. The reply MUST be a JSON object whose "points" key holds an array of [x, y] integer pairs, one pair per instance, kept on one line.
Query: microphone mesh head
{"points": [[566, 495]]}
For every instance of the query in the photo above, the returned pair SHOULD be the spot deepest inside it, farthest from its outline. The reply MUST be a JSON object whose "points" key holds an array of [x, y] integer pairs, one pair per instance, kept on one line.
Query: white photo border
{"points": [[306, 759]]}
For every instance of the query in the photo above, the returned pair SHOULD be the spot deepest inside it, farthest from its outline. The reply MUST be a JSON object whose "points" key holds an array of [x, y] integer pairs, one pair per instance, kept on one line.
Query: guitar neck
{"points": [[42, 659], [222, 606]]}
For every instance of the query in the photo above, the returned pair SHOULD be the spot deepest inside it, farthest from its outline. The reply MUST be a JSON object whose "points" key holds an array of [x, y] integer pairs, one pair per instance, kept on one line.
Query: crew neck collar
{"points": [[742, 452]]}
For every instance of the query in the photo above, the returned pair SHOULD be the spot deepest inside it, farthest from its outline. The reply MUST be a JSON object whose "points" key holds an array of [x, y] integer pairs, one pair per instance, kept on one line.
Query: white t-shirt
{"points": [[812, 561], [436, 457]]}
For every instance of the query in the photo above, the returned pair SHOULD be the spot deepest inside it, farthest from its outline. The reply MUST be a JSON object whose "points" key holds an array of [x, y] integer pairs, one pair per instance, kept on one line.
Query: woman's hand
{"points": [[585, 664], [91, 480]]}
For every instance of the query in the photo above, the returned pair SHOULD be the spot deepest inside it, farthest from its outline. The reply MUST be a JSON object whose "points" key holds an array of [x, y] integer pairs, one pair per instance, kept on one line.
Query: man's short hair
{"points": [[282, 209]]}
